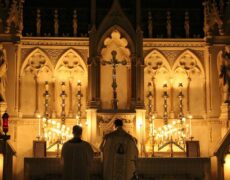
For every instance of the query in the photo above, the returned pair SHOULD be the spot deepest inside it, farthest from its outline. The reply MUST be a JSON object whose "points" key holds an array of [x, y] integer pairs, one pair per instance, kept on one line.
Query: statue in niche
{"points": [[56, 24], [38, 23], [169, 25], [3, 69], [186, 24], [75, 23], [150, 24], [225, 75]]}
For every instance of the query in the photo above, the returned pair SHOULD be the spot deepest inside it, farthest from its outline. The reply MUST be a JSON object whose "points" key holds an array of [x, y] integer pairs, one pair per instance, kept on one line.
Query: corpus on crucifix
{"points": [[114, 62]]}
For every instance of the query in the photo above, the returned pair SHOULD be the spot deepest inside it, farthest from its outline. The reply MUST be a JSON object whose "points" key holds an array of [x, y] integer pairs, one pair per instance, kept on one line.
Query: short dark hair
{"points": [[118, 122], [77, 130]]}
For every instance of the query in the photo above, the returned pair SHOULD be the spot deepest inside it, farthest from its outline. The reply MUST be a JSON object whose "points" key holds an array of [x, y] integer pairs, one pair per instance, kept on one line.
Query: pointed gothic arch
{"points": [[123, 35], [188, 70], [36, 62], [116, 16], [70, 64], [155, 63], [192, 61]]}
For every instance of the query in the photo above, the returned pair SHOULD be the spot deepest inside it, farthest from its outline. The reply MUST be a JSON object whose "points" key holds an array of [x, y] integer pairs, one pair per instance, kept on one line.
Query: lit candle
{"points": [[46, 86], [79, 85], [63, 86]]}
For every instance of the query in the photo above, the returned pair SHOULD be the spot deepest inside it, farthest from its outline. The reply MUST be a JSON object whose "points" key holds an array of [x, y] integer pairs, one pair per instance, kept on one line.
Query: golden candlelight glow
{"points": [[227, 167], [1, 165]]}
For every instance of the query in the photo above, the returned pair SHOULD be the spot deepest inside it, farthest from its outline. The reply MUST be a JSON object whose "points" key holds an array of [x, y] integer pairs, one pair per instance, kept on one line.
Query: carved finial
{"points": [[75, 23], [56, 24], [221, 5], [169, 25], [38, 23], [186, 24], [206, 27], [15, 17], [20, 17], [217, 18], [150, 24]]}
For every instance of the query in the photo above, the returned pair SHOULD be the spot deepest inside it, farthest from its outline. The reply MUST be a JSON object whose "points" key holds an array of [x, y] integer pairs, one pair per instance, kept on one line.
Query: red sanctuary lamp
{"points": [[5, 123], [5, 127], [5, 137]]}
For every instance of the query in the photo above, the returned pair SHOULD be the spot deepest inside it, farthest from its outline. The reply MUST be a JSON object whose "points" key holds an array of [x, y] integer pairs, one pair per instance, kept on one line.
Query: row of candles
{"points": [[53, 128], [177, 131]]}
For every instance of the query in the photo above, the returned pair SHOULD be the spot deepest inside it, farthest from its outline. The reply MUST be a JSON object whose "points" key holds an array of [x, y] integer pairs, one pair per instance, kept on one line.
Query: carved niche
{"points": [[106, 122], [70, 66], [36, 63], [115, 42]]}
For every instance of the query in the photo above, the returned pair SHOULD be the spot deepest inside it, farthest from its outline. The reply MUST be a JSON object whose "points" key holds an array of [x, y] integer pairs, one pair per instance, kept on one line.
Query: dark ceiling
{"points": [[158, 8], [107, 3]]}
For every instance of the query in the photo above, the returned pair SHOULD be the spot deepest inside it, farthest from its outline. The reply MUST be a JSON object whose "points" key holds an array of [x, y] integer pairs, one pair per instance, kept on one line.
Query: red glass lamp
{"points": [[5, 122]]}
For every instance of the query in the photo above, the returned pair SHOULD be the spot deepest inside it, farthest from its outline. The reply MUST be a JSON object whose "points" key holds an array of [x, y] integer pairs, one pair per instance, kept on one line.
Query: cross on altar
{"points": [[114, 62]]}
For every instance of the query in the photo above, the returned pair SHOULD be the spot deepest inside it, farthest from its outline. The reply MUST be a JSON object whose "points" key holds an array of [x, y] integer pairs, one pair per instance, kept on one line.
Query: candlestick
{"points": [[190, 126], [63, 95], [39, 126], [165, 105], [78, 95]]}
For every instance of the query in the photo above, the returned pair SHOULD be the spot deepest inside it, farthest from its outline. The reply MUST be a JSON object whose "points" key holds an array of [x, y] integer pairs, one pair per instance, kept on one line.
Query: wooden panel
{"points": [[39, 148], [192, 149]]}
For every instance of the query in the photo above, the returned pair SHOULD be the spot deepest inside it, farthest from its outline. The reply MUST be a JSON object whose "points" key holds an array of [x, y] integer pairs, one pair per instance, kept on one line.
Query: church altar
{"points": [[49, 168], [146, 168]]}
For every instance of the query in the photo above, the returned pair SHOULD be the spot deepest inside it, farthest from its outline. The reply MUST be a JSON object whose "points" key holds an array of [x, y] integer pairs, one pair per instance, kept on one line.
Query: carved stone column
{"points": [[139, 69], [91, 118], [139, 84], [17, 75], [19, 96], [205, 98], [133, 81], [36, 95], [188, 95], [208, 79], [129, 84], [93, 83]]}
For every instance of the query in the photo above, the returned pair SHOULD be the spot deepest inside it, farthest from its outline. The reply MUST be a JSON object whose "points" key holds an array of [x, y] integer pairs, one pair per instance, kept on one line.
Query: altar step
{"points": [[157, 168]]}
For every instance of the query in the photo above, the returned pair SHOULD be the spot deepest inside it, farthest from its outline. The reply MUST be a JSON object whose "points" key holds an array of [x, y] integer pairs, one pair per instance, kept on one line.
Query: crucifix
{"points": [[114, 62]]}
